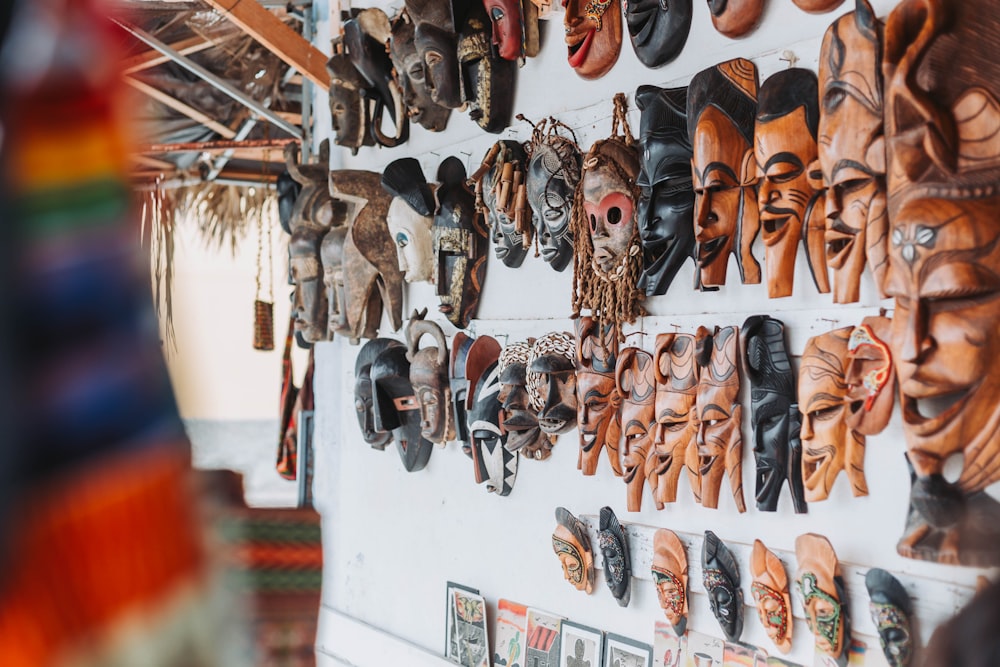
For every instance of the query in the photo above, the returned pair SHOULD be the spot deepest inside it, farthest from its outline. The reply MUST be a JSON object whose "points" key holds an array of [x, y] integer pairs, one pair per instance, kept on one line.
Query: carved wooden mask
{"points": [[666, 201], [817, 6], [348, 109], [436, 39], [571, 544], [395, 407], [363, 394], [636, 385], [852, 150], [429, 377], [593, 35], [493, 462], [552, 176], [508, 27], [770, 594], [721, 576], [670, 576], [823, 595], [332, 253], [674, 441], [520, 416], [613, 541], [552, 357], [366, 36], [497, 183], [597, 399], [608, 184], [410, 218], [658, 29], [735, 18], [487, 79], [891, 610], [309, 300], [720, 440], [461, 345], [721, 106], [777, 450], [411, 74], [829, 446], [871, 378]]}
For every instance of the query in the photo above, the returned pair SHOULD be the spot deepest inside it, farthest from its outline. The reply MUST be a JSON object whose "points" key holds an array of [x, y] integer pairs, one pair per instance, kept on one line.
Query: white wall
{"points": [[393, 539]]}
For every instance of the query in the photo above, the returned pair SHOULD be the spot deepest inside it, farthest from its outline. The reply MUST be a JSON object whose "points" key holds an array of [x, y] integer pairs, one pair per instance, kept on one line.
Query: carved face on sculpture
{"points": [[735, 18], [785, 147], [411, 232], [572, 545], [505, 162], [676, 372], [348, 110], [822, 587], [610, 204], [553, 172], [666, 201], [658, 29], [891, 610], [520, 417], [411, 72], [636, 384], [332, 254], [505, 15], [366, 36], [721, 576], [871, 380], [486, 78], [614, 548], [438, 49], [363, 395], [429, 376], [598, 402], [553, 358], [770, 594], [670, 576], [593, 36], [493, 462], [309, 299], [395, 407]]}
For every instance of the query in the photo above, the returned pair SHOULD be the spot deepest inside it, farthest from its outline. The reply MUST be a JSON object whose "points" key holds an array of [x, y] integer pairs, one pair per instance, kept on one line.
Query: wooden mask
{"points": [[429, 377], [613, 542], [674, 441], [593, 36], [460, 245], [891, 610], [636, 385], [508, 27], [332, 254], [492, 461], [436, 39], [666, 200], [777, 450], [520, 416], [501, 199], [410, 218], [552, 359], [553, 173], [363, 393], [721, 106], [817, 6], [719, 416], [571, 544], [469, 356], [735, 18], [395, 407], [658, 30], [366, 36], [852, 150], [597, 399], [312, 206], [823, 595], [348, 108], [770, 594], [670, 576], [287, 189], [721, 576], [487, 79], [309, 300], [871, 379], [411, 75], [829, 446], [785, 149]]}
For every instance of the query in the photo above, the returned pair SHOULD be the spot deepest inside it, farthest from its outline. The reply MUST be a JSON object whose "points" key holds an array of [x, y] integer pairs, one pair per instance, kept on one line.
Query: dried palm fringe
{"points": [[156, 231]]}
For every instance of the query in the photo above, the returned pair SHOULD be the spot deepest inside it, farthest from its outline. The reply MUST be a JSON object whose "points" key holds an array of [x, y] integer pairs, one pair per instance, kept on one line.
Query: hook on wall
{"points": [[789, 57]]}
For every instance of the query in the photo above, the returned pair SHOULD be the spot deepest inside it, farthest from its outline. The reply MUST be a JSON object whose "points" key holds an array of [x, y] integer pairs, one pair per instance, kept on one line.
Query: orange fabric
{"points": [[278, 555]]}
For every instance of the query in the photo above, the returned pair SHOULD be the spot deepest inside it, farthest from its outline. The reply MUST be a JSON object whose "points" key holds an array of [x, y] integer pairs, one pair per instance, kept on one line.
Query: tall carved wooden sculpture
{"points": [[519, 418], [613, 542], [721, 105], [891, 610], [593, 36], [637, 388], [571, 544], [721, 576], [553, 173], [670, 576], [552, 362], [597, 400], [770, 594], [429, 377], [675, 446], [942, 112], [658, 30], [824, 597]]}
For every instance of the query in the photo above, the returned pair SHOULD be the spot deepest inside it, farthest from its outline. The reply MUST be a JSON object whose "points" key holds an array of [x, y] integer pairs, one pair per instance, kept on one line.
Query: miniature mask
{"points": [[823, 595], [721, 576], [829, 446], [719, 415], [613, 541], [658, 30], [487, 79], [552, 357], [552, 176], [637, 388], [366, 36], [520, 416], [395, 407], [597, 399], [499, 188], [411, 74], [871, 380], [332, 254], [785, 149], [460, 245], [674, 440], [429, 376], [437, 44], [593, 36], [721, 106], [817, 6], [852, 150], [348, 109], [891, 611], [410, 217], [572, 545], [670, 576], [770, 594], [309, 299], [363, 395], [666, 202], [777, 450], [735, 18]]}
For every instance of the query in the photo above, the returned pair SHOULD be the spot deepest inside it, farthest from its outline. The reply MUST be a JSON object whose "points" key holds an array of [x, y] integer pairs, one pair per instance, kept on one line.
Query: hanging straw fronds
{"points": [[157, 232]]}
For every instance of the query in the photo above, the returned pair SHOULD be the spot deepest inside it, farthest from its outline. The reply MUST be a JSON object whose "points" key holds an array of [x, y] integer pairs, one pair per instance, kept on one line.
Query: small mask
{"points": [[829, 446], [770, 594], [891, 611], [658, 29], [719, 415], [411, 74], [777, 450], [871, 380], [666, 204], [571, 544], [721, 106], [508, 27], [735, 18], [492, 461], [486, 78], [670, 576], [436, 41], [823, 595], [429, 377], [309, 301], [366, 37], [348, 109], [597, 400], [593, 36], [410, 218], [520, 417], [395, 407], [499, 189], [552, 176], [674, 440], [363, 395], [637, 387], [613, 541], [721, 576], [552, 357]]}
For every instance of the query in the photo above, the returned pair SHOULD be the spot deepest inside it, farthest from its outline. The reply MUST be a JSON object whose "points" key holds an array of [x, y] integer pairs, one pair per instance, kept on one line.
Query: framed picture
{"points": [[624, 652], [451, 650], [510, 634], [304, 447], [472, 643], [542, 646], [580, 645], [668, 648], [703, 650]]}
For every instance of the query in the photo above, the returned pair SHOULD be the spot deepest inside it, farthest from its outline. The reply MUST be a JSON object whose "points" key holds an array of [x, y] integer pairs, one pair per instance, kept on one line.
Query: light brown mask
{"points": [[637, 387], [429, 377], [552, 359], [817, 6], [820, 582], [593, 35], [770, 594], [597, 400], [735, 18], [670, 576], [571, 544], [674, 439], [871, 378]]}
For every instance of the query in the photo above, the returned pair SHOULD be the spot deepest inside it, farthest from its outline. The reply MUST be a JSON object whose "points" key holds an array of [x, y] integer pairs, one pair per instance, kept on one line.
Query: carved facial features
{"points": [[658, 29], [411, 72], [519, 418], [395, 407], [891, 610], [411, 232], [819, 581], [871, 379], [610, 205], [637, 387], [363, 395], [493, 462], [735, 18], [347, 107], [553, 172], [676, 372], [332, 254], [429, 376], [309, 299], [552, 358], [505, 15], [721, 577], [597, 398], [498, 187], [670, 576], [572, 545], [770, 594], [614, 547], [437, 47], [593, 35]]}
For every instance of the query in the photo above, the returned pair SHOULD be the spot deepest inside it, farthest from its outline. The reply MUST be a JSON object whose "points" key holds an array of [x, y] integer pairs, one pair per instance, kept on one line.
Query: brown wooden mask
{"points": [[721, 106], [852, 150], [571, 544], [493, 463], [436, 39], [363, 393], [770, 594], [309, 300], [411, 74], [366, 36], [670, 576], [735, 18], [332, 254], [871, 378], [597, 400], [785, 148], [499, 182], [508, 27], [593, 36], [719, 415], [823, 595], [552, 358], [829, 446], [520, 417], [410, 218], [658, 30], [348, 109], [313, 206], [674, 441], [429, 377], [395, 407], [637, 387], [817, 6], [553, 173]]}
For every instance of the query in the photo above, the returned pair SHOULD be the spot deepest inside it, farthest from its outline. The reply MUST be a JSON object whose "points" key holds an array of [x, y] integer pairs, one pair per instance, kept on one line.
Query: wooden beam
{"points": [[154, 163], [180, 107], [153, 58], [276, 36]]}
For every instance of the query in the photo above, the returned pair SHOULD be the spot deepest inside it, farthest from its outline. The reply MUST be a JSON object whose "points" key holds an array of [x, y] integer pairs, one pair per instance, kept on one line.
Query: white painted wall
{"points": [[393, 539]]}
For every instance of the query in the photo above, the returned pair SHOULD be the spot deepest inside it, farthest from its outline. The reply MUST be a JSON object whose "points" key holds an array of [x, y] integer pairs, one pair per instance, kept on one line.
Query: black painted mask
{"points": [[395, 407], [363, 395], [494, 463], [436, 41], [411, 73], [365, 37], [496, 192], [348, 109], [666, 202], [288, 190], [772, 404], [553, 173], [487, 79], [614, 547], [721, 576], [658, 29], [891, 610], [459, 383]]}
